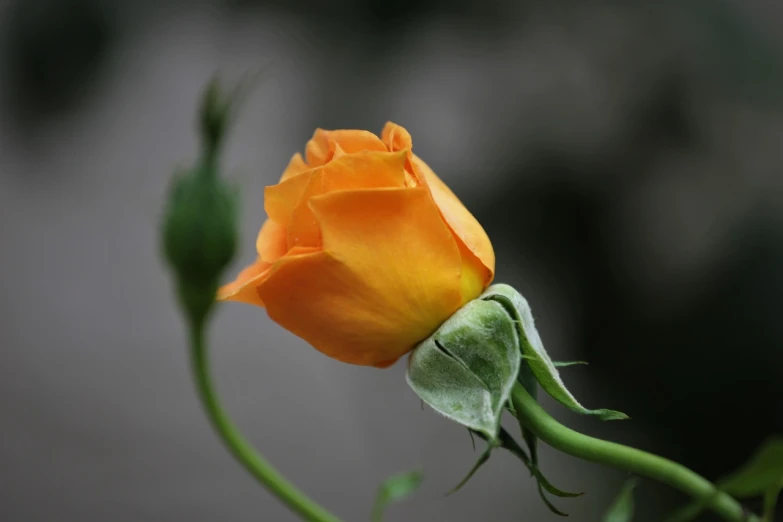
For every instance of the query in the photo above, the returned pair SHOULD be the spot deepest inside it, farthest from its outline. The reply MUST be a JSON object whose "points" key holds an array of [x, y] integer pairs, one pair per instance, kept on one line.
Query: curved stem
{"points": [[537, 420], [262, 470]]}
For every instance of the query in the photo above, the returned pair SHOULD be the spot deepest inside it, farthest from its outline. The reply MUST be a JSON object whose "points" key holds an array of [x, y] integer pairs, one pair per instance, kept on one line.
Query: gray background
{"points": [[549, 122]]}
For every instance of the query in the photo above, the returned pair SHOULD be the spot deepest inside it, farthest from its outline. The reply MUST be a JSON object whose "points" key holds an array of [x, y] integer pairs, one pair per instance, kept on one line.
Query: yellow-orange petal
{"points": [[395, 137], [280, 200], [272, 241], [317, 149], [388, 276], [475, 278], [243, 288], [295, 167], [321, 147], [461, 221], [364, 169], [459, 218]]}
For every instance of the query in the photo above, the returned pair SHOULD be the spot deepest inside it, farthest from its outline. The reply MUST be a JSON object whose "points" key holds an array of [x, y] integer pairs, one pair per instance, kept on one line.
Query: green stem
{"points": [[262, 470], [644, 464]]}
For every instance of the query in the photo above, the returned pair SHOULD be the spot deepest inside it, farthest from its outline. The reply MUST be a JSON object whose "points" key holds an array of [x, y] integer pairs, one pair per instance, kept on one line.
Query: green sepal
{"points": [[507, 442], [472, 440], [394, 489], [480, 462], [466, 369], [622, 508], [542, 484], [548, 503], [534, 353], [220, 105]]}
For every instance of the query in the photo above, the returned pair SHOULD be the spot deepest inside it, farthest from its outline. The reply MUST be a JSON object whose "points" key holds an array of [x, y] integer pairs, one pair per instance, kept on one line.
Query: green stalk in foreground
{"points": [[262, 470], [644, 464]]}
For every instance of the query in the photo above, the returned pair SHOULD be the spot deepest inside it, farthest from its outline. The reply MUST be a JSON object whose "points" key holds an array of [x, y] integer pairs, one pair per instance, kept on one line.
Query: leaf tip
{"points": [[394, 489], [610, 415]]}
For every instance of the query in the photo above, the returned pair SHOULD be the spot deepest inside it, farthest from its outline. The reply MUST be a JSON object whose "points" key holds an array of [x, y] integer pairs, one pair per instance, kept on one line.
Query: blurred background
{"points": [[625, 158]]}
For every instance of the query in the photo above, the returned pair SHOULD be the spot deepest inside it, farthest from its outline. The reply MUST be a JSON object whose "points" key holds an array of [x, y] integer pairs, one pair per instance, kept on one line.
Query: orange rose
{"points": [[366, 251]]}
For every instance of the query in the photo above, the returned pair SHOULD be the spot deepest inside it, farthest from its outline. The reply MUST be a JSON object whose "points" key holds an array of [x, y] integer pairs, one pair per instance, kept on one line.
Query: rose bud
{"points": [[365, 251]]}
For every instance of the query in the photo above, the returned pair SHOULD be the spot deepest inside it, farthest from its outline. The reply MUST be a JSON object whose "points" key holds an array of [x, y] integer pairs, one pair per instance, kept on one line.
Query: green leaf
{"points": [[622, 508], [534, 353], [565, 364], [466, 369], [394, 489], [688, 512], [761, 474]]}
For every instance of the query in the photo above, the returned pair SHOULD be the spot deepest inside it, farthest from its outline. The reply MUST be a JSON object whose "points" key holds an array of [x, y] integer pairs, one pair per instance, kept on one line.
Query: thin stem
{"points": [[262, 470], [644, 464]]}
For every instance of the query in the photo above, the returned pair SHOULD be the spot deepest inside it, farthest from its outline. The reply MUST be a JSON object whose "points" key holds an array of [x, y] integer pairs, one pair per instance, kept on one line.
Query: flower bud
{"points": [[199, 227], [365, 251], [199, 236]]}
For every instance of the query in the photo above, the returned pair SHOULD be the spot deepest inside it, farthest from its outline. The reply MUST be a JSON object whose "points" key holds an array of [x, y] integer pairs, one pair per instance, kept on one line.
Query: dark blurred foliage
{"points": [[709, 395], [55, 52], [381, 18]]}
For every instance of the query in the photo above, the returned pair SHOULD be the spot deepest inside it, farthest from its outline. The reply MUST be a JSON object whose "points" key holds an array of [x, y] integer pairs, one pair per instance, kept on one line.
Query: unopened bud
{"points": [[199, 237]]}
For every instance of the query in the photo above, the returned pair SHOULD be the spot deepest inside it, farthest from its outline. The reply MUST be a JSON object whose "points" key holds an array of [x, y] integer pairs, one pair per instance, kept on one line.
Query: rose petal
{"points": [[395, 137], [320, 149], [280, 200], [460, 220], [243, 289], [272, 241], [295, 167], [389, 275], [347, 172]]}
